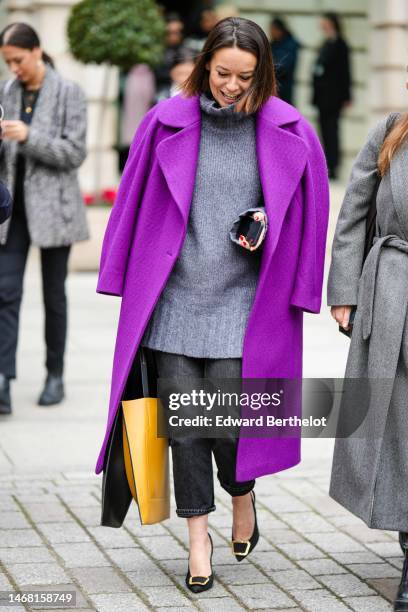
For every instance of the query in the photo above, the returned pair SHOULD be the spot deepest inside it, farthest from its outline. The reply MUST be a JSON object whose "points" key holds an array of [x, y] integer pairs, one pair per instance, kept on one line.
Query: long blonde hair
{"points": [[392, 143]]}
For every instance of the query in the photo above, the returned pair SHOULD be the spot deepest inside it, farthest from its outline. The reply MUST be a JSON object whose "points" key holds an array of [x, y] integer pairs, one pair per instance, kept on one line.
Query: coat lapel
{"points": [[47, 117], [12, 100], [43, 120], [281, 156], [398, 176], [281, 161], [178, 156]]}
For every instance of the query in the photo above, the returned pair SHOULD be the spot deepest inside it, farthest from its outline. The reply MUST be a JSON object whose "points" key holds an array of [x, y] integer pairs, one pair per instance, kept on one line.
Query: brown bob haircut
{"points": [[248, 36]]}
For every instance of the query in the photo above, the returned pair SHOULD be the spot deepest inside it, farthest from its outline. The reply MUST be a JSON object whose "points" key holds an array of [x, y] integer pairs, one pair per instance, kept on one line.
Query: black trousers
{"points": [[54, 261], [329, 128], [192, 457]]}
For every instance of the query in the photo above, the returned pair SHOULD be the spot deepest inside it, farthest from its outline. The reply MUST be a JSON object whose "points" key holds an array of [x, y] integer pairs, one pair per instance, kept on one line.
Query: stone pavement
{"points": [[312, 554]]}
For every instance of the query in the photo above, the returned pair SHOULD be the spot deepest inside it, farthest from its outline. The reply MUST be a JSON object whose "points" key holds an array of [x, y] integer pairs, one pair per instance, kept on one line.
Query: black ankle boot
{"points": [[5, 398], [401, 600], [53, 392]]}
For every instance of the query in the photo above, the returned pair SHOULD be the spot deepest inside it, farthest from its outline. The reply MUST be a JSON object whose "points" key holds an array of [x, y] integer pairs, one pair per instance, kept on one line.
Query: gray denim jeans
{"points": [[192, 457]]}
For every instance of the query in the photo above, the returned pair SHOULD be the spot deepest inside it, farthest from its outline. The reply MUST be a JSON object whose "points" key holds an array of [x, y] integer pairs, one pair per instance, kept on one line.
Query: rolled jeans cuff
{"points": [[236, 491], [189, 512]]}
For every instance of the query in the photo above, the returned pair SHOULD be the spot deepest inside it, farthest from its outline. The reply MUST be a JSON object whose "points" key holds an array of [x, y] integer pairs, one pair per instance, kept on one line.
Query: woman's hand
{"points": [[15, 130], [342, 315]]}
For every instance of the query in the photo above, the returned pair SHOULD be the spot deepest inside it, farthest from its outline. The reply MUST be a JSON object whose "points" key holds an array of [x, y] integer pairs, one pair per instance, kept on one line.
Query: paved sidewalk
{"points": [[312, 555]]}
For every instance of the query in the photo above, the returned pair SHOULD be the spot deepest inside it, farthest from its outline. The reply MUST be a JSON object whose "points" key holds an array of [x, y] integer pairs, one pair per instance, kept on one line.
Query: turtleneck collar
{"points": [[210, 106]]}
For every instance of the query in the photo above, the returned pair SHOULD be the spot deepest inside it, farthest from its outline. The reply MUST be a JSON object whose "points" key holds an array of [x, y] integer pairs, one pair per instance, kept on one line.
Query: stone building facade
{"points": [[377, 31]]}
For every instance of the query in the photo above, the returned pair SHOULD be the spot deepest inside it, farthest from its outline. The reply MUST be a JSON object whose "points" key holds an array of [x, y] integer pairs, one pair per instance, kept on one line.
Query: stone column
{"points": [[388, 57], [100, 83]]}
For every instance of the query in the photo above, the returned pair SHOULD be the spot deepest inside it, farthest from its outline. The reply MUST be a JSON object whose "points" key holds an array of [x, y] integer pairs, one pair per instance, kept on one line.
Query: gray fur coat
{"points": [[370, 468], [54, 150]]}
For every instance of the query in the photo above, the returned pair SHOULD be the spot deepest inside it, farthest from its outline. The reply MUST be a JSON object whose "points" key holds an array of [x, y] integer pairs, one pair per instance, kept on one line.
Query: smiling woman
{"points": [[237, 66], [200, 304], [231, 73]]}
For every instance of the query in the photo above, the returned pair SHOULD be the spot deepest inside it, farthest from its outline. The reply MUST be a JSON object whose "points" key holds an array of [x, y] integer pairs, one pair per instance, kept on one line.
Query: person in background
{"points": [[44, 134], [181, 69], [136, 97], [331, 87], [285, 49], [174, 41], [208, 19]]}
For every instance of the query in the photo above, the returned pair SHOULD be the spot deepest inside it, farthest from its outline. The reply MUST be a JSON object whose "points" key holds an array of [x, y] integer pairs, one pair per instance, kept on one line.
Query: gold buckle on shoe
{"points": [[241, 554], [201, 583]]}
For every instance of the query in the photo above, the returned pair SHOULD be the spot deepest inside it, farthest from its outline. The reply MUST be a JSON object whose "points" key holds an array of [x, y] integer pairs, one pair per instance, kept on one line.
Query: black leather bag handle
{"points": [[143, 372]]}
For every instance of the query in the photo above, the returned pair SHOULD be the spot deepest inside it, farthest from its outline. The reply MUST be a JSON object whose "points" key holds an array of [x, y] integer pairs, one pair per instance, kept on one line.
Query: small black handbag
{"points": [[248, 231]]}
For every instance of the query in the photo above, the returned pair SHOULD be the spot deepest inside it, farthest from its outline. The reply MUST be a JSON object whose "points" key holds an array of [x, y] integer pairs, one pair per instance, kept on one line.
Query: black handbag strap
{"points": [[143, 372]]}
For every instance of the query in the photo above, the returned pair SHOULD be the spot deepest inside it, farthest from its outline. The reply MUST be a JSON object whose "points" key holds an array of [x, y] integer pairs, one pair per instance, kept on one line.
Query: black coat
{"points": [[285, 55], [331, 76]]}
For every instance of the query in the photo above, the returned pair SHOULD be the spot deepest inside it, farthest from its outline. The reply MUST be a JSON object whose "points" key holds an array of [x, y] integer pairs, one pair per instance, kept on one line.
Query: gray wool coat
{"points": [[54, 150], [370, 468]]}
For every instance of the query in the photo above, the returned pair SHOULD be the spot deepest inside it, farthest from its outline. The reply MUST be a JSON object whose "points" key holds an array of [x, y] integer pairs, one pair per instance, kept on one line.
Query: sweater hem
{"points": [[188, 353]]}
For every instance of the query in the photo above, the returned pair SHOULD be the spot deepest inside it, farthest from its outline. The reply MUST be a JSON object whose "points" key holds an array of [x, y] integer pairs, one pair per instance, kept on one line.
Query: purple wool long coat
{"points": [[147, 227]]}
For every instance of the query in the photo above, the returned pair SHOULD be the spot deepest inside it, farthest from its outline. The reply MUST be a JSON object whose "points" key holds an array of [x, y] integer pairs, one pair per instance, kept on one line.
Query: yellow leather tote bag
{"points": [[146, 456]]}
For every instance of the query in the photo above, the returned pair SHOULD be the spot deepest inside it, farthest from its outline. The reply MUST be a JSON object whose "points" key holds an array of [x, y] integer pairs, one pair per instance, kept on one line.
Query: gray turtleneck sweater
{"points": [[204, 307]]}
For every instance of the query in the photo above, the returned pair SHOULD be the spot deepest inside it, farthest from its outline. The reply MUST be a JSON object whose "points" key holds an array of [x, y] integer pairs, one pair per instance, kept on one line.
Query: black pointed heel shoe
{"points": [[242, 548], [401, 600], [198, 584]]}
